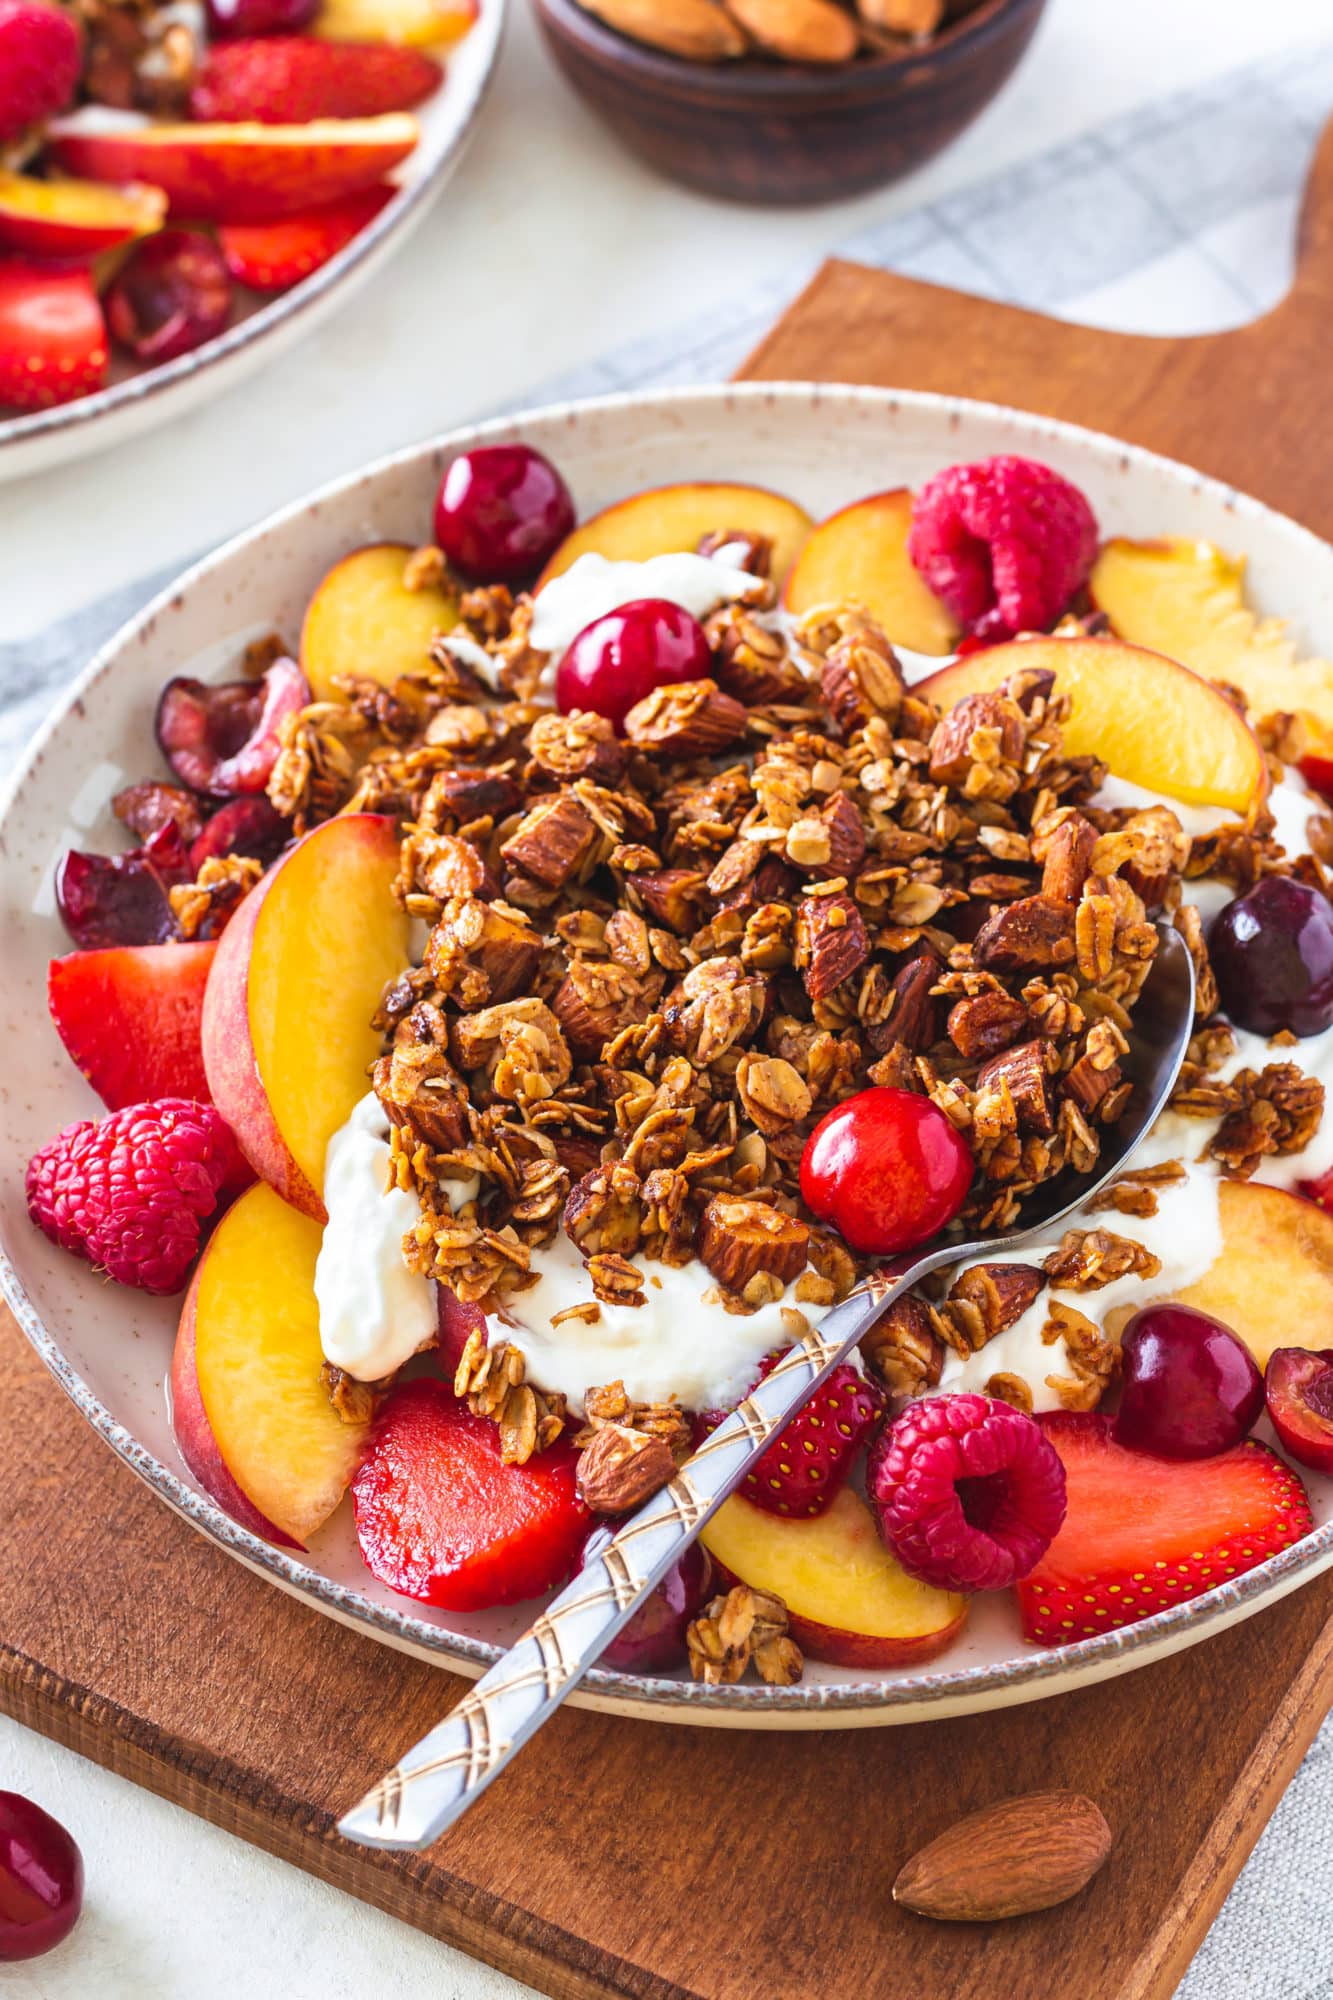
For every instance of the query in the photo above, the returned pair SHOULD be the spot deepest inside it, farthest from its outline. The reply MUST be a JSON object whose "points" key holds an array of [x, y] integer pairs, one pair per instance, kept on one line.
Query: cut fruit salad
{"points": [[162, 165], [606, 942]]}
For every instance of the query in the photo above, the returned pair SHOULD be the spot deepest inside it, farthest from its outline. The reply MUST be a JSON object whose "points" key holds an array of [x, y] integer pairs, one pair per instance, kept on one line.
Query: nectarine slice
{"points": [[410, 23], [74, 218], [669, 520], [1273, 1283], [252, 1419], [1186, 599], [299, 972], [363, 620], [848, 1599], [1153, 721], [859, 555]]}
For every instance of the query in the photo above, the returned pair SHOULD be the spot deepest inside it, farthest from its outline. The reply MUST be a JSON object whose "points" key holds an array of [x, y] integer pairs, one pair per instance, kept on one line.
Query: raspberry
{"points": [[40, 58], [1005, 543], [129, 1192], [968, 1492]]}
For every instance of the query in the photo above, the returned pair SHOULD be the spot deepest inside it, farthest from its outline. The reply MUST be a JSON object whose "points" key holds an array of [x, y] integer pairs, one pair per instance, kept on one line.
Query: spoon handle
{"points": [[436, 1781]]}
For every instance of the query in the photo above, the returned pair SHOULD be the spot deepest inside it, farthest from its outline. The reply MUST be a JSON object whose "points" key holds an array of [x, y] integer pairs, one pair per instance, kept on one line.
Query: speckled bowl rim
{"points": [[285, 310], [1047, 1670]]}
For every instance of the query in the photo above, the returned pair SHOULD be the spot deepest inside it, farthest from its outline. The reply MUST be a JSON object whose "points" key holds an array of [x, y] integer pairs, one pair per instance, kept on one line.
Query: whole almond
{"points": [[809, 31], [699, 30], [1007, 1860]]}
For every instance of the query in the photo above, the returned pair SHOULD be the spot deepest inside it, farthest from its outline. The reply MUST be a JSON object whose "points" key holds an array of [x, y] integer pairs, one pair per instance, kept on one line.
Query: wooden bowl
{"points": [[758, 130]]}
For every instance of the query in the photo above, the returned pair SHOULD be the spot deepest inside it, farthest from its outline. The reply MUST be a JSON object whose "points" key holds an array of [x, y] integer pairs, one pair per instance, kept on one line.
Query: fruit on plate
{"points": [[53, 346], [1273, 1283], [619, 659], [294, 79], [1298, 1389], [1153, 722], [654, 1638], [664, 520], [439, 1517], [270, 256], [409, 23], [1143, 1533], [848, 1599], [1272, 953], [1189, 1388], [129, 1192], [364, 620], [1006, 543], [110, 899], [73, 218], [803, 1471], [298, 973], [41, 53], [1186, 599], [223, 738], [247, 826], [258, 17], [41, 1880], [245, 172], [887, 1169], [501, 510], [252, 1419], [171, 294], [967, 1492], [130, 1018], [859, 555]]}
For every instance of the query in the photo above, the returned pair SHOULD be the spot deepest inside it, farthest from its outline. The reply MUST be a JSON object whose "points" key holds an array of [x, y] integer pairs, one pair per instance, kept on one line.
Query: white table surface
{"points": [[549, 247]]}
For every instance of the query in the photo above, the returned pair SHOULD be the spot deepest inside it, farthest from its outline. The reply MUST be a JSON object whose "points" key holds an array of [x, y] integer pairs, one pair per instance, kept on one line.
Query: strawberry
{"points": [[52, 335], [802, 1473], [129, 1016], [269, 256], [440, 1518], [40, 59], [292, 79], [458, 1320], [1142, 1533]]}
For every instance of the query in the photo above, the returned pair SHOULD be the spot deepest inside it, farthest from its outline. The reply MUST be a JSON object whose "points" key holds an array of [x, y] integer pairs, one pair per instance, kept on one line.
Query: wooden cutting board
{"points": [[636, 1859]]}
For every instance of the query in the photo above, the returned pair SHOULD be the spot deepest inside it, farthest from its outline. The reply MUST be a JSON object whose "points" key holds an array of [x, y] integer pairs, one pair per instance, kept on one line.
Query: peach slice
{"points": [[363, 620], [299, 972], [242, 172], [410, 23], [1273, 1283], [252, 1420], [664, 520], [74, 218], [1153, 721], [859, 555], [848, 1599]]}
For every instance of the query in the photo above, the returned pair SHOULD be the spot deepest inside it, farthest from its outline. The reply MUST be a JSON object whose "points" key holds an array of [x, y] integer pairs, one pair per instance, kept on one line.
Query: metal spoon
{"points": [[447, 1771]]}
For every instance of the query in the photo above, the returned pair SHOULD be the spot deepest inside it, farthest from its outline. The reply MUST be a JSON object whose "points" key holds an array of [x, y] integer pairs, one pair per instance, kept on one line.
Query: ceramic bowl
{"points": [[109, 1349], [137, 400], [781, 133]]}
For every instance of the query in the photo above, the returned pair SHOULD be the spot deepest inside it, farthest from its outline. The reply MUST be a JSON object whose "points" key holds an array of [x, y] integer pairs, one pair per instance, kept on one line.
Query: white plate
{"points": [[137, 399], [110, 1348]]}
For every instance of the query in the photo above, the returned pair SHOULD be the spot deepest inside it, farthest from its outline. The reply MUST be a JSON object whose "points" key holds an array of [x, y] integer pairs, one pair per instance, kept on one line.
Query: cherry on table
{"points": [[887, 1169], [1298, 1389], [654, 1638], [621, 657], [502, 512], [1272, 955], [171, 295], [1190, 1387], [41, 1879]]}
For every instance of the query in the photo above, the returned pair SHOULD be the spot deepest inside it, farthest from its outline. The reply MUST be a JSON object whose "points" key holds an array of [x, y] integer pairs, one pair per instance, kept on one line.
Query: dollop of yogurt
{"points": [[681, 1342], [594, 585], [374, 1314]]}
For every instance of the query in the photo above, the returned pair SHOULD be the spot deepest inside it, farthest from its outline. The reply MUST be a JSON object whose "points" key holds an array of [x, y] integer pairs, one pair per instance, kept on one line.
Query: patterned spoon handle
{"points": [[439, 1778]]}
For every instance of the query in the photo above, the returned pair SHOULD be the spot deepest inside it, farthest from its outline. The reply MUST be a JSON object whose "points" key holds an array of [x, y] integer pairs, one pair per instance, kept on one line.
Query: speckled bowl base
{"points": [[109, 1349]]}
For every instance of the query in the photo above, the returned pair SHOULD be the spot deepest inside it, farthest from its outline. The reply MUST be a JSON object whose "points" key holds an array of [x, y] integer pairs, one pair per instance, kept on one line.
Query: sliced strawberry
{"points": [[440, 1518], [292, 79], [1320, 1191], [129, 1016], [270, 256], [1143, 1533], [41, 51], [458, 1321], [52, 336], [804, 1471]]}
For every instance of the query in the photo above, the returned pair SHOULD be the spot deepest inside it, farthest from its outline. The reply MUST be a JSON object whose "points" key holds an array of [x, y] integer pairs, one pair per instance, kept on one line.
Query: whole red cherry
{"points": [[171, 294], [1271, 952], [501, 512], [887, 1169], [258, 17], [41, 1879], [624, 655], [1191, 1388], [1298, 1388]]}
